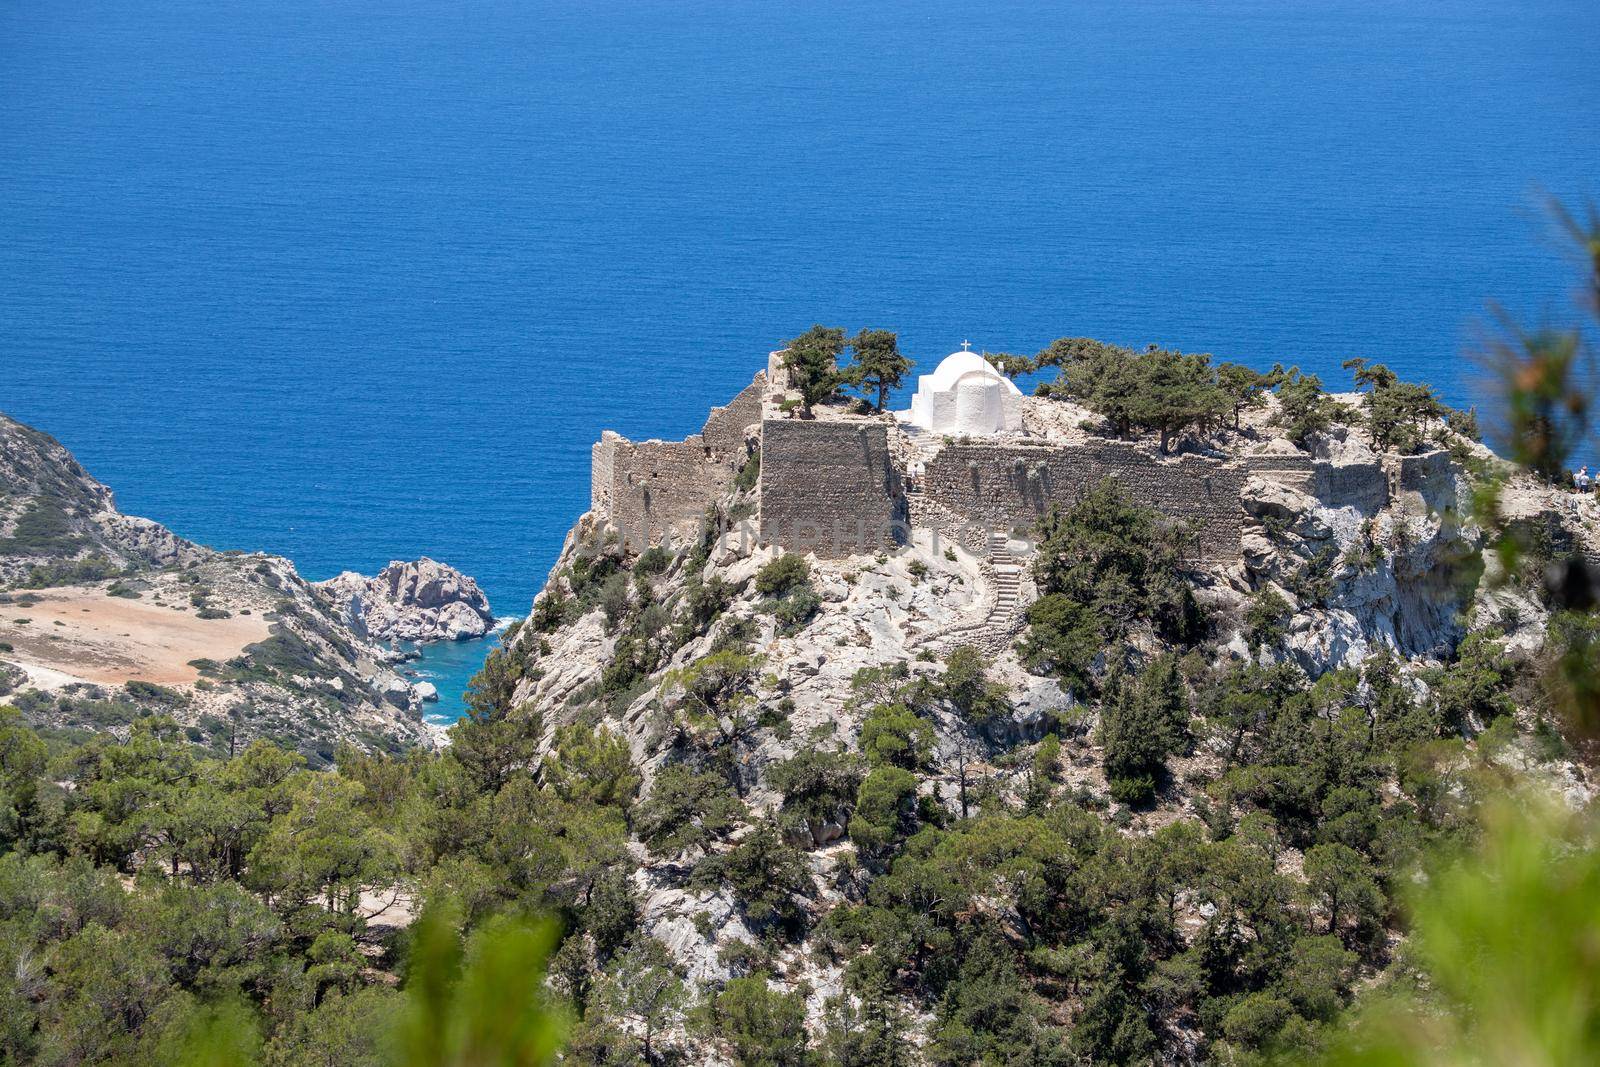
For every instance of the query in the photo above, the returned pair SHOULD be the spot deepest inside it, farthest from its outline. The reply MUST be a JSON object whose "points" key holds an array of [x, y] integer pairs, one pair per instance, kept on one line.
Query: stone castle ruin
{"points": [[972, 459]]}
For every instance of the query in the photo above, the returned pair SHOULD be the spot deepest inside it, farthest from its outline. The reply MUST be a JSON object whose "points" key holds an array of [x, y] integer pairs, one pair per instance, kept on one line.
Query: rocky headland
{"points": [[417, 601], [720, 657], [107, 618]]}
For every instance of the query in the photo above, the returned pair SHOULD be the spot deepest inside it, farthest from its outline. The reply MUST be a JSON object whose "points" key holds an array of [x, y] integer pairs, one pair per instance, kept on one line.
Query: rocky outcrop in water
{"points": [[423, 600]]}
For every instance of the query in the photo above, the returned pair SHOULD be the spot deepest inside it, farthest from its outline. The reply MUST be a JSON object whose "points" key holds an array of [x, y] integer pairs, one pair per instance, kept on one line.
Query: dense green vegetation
{"points": [[817, 370], [148, 889], [43, 529], [1171, 393], [878, 365], [1107, 570]]}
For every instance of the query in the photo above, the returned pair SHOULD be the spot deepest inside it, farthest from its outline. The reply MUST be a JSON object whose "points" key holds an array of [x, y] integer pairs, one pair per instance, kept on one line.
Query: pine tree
{"points": [[878, 366], [812, 360]]}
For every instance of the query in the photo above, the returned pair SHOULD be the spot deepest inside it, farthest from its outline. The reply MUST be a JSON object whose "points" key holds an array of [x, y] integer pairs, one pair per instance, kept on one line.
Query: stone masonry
{"points": [[658, 491], [830, 487], [837, 484]]}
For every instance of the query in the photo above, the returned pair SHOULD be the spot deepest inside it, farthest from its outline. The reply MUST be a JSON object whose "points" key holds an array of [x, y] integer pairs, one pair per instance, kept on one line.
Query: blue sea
{"points": [[352, 280]]}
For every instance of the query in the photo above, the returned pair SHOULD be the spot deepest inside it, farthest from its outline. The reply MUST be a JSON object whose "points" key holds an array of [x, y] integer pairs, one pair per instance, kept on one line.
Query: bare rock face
{"points": [[57, 520], [423, 600]]}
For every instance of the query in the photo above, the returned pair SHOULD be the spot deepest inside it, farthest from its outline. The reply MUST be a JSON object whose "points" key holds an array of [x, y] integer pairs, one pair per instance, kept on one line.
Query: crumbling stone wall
{"points": [[658, 491], [834, 488], [1431, 476], [1009, 486], [829, 488], [1363, 486], [602, 467], [723, 433], [1296, 471]]}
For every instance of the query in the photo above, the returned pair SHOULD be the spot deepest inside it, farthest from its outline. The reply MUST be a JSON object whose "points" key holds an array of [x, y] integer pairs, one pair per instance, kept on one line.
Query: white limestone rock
{"points": [[1273, 502], [423, 600]]}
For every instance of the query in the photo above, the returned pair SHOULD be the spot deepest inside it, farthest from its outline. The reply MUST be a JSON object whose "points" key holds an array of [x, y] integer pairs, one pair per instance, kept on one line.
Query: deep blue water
{"points": [[353, 281]]}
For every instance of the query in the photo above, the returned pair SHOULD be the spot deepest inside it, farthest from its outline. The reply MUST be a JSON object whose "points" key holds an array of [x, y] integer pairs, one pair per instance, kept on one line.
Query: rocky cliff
{"points": [[58, 521], [108, 617], [420, 601], [717, 658]]}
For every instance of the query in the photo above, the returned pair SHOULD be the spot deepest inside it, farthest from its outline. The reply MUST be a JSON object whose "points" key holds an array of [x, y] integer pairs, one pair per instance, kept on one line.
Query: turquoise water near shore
{"points": [[449, 665], [356, 281]]}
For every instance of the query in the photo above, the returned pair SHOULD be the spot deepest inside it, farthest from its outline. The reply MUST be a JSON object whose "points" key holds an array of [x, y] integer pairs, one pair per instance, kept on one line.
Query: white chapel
{"points": [[965, 395]]}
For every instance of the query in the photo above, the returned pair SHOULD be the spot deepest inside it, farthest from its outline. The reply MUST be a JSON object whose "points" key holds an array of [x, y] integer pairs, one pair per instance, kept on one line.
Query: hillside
{"points": [[106, 618], [1155, 777], [1064, 788]]}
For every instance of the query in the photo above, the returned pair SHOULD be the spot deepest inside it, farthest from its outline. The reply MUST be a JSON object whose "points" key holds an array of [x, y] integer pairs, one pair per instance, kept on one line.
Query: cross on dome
{"points": [[965, 395]]}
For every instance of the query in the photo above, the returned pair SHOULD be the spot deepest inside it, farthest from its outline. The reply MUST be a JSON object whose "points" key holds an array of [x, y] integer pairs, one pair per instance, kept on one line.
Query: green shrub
{"points": [[748, 473], [818, 787], [160, 694], [766, 1027], [1266, 621], [787, 572], [885, 806], [652, 560], [553, 610], [892, 735], [93, 568], [766, 875], [796, 609], [43, 529]]}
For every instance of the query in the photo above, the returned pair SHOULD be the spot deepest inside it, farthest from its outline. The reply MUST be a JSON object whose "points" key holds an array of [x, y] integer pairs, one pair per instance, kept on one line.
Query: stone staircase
{"points": [[1007, 571], [1000, 613]]}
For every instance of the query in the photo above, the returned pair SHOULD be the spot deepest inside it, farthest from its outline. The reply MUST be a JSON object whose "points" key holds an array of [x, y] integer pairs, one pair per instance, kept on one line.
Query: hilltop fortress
{"points": [[972, 457]]}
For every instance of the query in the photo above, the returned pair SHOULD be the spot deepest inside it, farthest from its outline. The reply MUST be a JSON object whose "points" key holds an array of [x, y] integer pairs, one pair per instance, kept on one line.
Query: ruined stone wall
{"points": [[724, 430], [829, 488], [833, 487], [1420, 474], [602, 462], [1297, 471], [660, 490], [1363, 486], [1010, 486], [1431, 476]]}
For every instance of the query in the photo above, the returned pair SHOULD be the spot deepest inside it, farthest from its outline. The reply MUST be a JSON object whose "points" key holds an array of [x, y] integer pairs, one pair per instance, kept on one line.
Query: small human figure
{"points": [[1581, 479]]}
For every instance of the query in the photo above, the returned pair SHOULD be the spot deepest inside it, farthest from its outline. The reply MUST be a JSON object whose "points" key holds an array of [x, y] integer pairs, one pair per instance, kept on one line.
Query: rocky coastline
{"points": [[109, 618], [418, 601]]}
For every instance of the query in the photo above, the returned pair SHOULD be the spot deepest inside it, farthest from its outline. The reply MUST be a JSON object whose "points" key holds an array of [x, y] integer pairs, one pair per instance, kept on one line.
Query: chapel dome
{"points": [[965, 395], [958, 365]]}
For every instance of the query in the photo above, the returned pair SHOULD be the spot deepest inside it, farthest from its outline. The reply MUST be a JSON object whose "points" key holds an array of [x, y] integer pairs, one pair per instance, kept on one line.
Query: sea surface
{"points": [[354, 281]]}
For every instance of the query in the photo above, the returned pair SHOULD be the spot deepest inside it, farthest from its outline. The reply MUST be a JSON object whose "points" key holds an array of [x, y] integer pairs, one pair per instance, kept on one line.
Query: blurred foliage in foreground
{"points": [[479, 1004], [1506, 945], [1505, 939]]}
